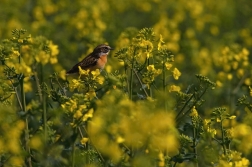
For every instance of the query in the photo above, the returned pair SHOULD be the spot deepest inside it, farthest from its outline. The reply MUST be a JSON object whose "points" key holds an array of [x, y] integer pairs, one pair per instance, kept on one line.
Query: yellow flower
{"points": [[89, 114], [147, 44], [150, 68], [150, 99], [161, 159], [83, 72], [232, 117], [35, 142], [23, 68], [240, 72], [245, 162], [71, 105], [194, 112], [63, 106], [247, 81], [174, 88], [245, 51], [62, 74], [42, 57], [157, 72], [242, 130], [219, 83], [53, 60], [91, 94], [28, 86], [73, 124], [57, 137], [120, 139], [161, 156], [20, 40], [82, 107], [235, 65], [148, 55], [160, 41], [100, 80], [54, 49], [77, 114], [213, 132], [218, 120], [207, 121], [229, 76], [95, 73], [147, 80], [75, 84], [84, 140], [15, 52], [230, 132], [176, 73], [225, 50], [20, 125], [108, 68], [250, 91], [16, 161], [168, 65]]}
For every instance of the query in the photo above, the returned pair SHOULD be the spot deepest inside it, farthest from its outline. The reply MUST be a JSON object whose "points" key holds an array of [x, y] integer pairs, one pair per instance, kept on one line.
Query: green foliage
{"points": [[146, 108]]}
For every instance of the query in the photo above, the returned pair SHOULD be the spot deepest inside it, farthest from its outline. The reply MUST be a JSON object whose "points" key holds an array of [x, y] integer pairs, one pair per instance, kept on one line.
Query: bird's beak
{"points": [[111, 48]]}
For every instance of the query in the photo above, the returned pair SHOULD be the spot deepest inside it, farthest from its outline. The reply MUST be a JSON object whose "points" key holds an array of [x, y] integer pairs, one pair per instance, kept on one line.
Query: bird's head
{"points": [[102, 49]]}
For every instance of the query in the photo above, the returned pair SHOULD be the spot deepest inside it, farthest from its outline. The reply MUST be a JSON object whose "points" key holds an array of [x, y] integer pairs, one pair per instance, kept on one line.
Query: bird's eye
{"points": [[105, 50]]}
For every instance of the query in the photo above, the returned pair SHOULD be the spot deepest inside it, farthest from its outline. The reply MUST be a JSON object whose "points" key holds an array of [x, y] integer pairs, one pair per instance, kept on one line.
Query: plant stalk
{"points": [[164, 84], [223, 140], [27, 138], [73, 153], [131, 76], [194, 147]]}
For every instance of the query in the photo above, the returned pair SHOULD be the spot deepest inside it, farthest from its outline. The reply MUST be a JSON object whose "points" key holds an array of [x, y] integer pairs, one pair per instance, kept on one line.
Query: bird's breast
{"points": [[102, 61]]}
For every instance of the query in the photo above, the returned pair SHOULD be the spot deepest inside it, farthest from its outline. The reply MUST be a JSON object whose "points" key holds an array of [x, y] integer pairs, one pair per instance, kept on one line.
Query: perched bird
{"points": [[95, 60]]}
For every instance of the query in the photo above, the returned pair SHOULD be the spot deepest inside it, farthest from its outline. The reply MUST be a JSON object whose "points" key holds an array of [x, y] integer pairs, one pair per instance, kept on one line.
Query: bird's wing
{"points": [[87, 62]]}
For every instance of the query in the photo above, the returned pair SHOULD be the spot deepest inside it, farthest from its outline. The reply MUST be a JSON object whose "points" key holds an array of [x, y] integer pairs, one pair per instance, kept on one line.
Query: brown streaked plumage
{"points": [[95, 60]]}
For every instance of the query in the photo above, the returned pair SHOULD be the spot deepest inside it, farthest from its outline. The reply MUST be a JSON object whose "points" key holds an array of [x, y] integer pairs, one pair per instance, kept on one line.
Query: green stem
{"points": [[16, 93], [90, 141], [223, 140], [127, 78], [27, 147], [150, 90], [194, 103], [43, 99], [164, 84], [73, 152], [182, 109], [131, 76], [45, 117], [15, 89], [194, 147], [61, 87], [131, 83], [86, 145], [19, 47], [23, 103], [37, 84], [142, 86]]}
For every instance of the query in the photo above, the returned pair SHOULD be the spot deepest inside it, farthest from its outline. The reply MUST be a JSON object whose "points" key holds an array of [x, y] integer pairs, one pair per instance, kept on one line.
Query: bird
{"points": [[95, 60]]}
